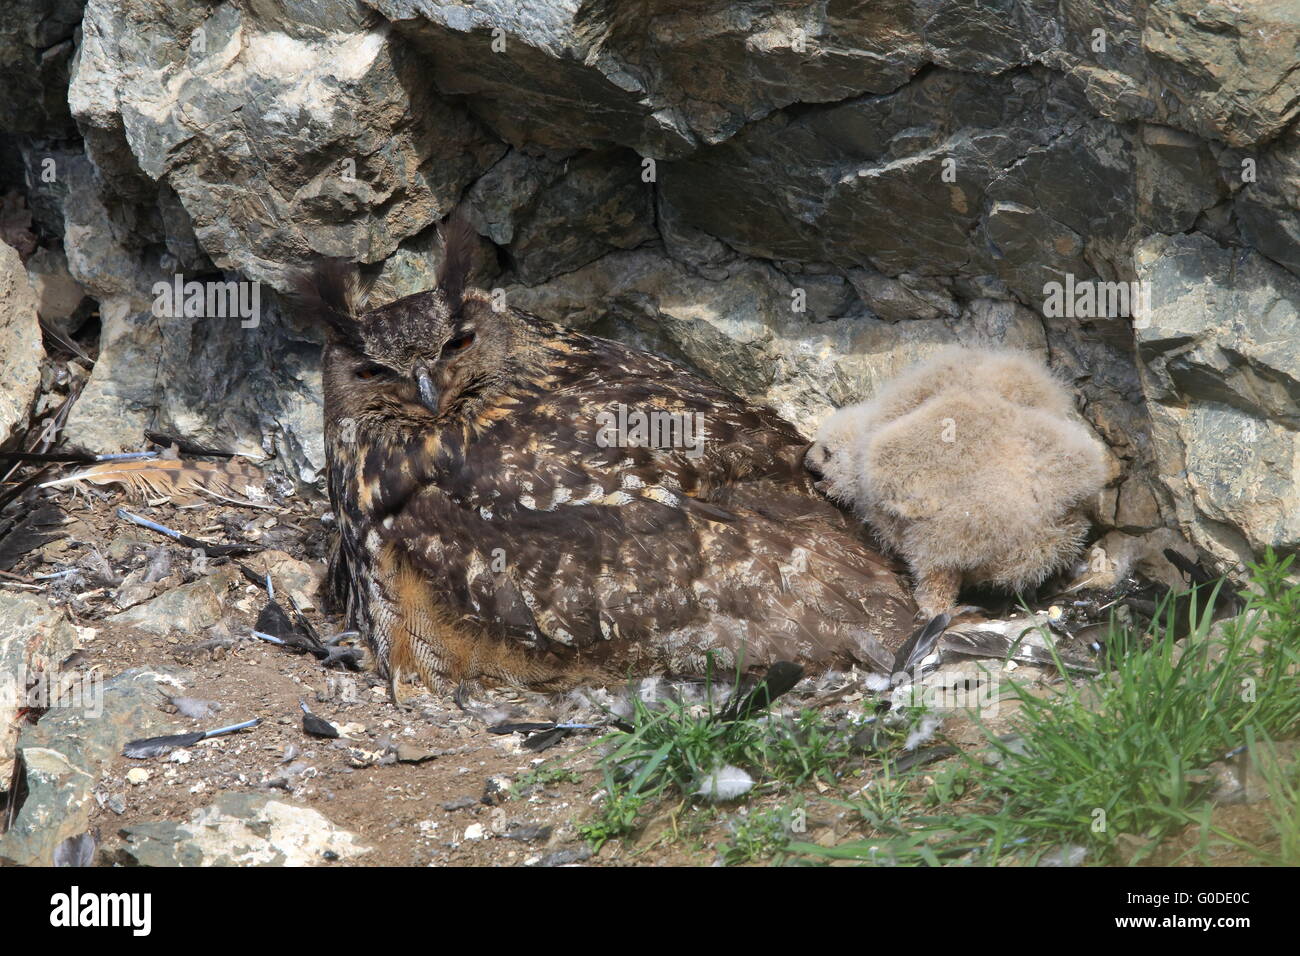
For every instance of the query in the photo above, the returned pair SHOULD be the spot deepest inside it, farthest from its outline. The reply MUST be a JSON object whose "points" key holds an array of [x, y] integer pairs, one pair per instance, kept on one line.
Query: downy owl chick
{"points": [[969, 465]]}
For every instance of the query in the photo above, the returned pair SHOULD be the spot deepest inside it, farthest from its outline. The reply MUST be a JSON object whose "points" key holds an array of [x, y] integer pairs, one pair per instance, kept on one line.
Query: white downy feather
{"points": [[725, 783]]}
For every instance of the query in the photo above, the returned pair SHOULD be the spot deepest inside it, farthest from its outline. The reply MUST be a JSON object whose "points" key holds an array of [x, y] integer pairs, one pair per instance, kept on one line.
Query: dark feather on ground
{"points": [[921, 758], [29, 482], [28, 533], [185, 445], [314, 726], [780, 677], [919, 645], [211, 550], [158, 746]]}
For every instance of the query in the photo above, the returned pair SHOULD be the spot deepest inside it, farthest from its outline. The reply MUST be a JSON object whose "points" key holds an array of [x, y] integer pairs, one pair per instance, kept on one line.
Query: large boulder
{"points": [[1221, 371], [36, 45], [796, 199], [20, 342], [286, 132]]}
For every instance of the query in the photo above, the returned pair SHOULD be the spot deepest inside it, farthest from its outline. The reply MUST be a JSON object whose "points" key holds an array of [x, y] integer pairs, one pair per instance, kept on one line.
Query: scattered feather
{"points": [[13, 493], [209, 549], [76, 850], [876, 683], [16, 791], [540, 735], [920, 644], [527, 727], [921, 758], [28, 533], [870, 738], [75, 456], [160, 564], [158, 746], [273, 620], [314, 726], [536, 743], [1020, 640], [780, 677], [171, 478], [923, 732], [725, 783], [486, 713], [193, 707], [185, 445]]}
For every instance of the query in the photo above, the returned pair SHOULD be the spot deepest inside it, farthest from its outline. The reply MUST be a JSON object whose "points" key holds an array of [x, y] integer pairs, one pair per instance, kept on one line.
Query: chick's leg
{"points": [[936, 591]]}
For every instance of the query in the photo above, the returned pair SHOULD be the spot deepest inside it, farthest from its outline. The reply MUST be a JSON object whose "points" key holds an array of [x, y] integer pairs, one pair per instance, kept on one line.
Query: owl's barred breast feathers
{"points": [[522, 502]]}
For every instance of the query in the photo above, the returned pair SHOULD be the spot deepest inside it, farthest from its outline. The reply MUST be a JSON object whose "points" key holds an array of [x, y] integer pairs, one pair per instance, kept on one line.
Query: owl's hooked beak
{"points": [[424, 383]]}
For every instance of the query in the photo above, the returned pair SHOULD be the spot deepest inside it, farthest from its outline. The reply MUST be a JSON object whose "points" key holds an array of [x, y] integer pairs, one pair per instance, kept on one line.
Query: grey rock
{"points": [[60, 299], [906, 297], [196, 708], [1266, 207], [34, 638], [916, 172], [41, 165], [504, 192], [528, 832], [324, 121], [65, 754], [189, 609], [1224, 73], [952, 174], [198, 376], [1221, 374], [550, 81], [36, 43], [409, 753], [1177, 178], [21, 350], [564, 857], [241, 829], [664, 78], [599, 204]]}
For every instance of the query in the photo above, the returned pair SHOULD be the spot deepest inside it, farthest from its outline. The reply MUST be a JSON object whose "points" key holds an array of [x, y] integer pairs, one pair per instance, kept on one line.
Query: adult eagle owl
{"points": [[494, 525]]}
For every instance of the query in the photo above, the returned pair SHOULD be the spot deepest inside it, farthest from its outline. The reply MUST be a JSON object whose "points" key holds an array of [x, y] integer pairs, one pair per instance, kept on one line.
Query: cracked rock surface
{"points": [[795, 199]]}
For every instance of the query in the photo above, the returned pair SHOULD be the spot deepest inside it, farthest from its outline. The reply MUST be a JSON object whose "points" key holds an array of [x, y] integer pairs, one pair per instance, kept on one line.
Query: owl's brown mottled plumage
{"points": [[486, 533]]}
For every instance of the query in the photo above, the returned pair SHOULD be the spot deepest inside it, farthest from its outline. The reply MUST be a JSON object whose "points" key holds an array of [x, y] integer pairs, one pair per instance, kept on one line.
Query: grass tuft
{"points": [[1117, 764]]}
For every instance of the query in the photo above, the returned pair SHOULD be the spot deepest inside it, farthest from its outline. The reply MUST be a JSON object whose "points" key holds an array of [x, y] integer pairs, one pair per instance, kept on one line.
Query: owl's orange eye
{"points": [[458, 344], [368, 372]]}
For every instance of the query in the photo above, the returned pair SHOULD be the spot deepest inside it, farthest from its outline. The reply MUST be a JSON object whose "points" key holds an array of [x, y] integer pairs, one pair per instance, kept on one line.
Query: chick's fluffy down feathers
{"points": [[970, 465]]}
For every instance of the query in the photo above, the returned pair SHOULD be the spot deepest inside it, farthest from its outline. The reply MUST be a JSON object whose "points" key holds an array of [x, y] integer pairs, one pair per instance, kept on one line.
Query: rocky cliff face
{"points": [[796, 198]]}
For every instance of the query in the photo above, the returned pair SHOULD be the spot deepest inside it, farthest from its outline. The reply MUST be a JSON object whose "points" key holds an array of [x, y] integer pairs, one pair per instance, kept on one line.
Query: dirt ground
{"points": [[423, 784]]}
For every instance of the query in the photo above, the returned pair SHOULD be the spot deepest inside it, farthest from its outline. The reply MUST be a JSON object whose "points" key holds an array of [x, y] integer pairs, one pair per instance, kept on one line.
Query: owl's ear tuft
{"points": [[459, 241], [332, 295]]}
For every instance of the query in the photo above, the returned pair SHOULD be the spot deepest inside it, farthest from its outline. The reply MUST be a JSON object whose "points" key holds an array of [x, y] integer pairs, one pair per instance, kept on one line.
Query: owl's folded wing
{"points": [[561, 541]]}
